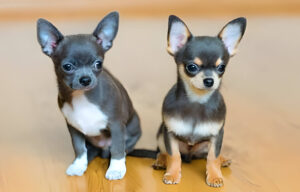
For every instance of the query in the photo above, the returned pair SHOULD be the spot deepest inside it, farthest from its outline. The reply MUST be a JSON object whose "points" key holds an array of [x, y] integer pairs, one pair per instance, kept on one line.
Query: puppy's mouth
{"points": [[86, 88], [82, 88], [201, 87]]}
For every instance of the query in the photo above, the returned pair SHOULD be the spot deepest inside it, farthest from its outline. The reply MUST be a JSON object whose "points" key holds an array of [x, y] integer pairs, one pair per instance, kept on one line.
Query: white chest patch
{"points": [[84, 115], [186, 128]]}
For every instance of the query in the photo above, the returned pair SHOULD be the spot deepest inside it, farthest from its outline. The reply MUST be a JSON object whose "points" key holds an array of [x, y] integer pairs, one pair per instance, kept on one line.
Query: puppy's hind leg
{"points": [[92, 151], [133, 133], [161, 158], [224, 161]]}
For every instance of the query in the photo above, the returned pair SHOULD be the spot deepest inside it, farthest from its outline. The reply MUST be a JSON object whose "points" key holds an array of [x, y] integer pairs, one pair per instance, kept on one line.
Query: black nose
{"points": [[85, 81], [208, 82]]}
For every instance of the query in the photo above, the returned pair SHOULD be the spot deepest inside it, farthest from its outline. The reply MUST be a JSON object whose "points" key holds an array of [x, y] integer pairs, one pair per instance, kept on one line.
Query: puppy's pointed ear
{"points": [[48, 36], [178, 34], [232, 34], [107, 30]]}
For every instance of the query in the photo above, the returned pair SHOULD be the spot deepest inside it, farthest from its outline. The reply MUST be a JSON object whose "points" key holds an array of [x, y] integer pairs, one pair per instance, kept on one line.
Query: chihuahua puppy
{"points": [[194, 111], [98, 111]]}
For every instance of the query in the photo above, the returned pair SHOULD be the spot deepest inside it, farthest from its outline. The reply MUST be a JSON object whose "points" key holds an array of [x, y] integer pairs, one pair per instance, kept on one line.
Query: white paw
{"points": [[78, 167], [116, 170], [74, 169], [114, 174]]}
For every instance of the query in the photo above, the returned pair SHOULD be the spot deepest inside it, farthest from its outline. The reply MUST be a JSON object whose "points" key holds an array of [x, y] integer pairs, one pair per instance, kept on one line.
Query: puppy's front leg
{"points": [[117, 167], [79, 165], [214, 176], [173, 172]]}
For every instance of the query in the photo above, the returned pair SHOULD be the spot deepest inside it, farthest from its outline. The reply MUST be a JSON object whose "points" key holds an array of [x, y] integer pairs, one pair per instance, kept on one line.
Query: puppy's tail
{"points": [[143, 153]]}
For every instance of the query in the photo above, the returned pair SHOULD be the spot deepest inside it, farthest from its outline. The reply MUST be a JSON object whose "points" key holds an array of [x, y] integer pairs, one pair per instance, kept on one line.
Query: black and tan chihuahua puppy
{"points": [[98, 111], [194, 110]]}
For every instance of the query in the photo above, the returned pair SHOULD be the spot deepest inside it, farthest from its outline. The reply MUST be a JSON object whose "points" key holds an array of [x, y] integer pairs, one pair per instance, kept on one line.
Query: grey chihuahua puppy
{"points": [[98, 111]]}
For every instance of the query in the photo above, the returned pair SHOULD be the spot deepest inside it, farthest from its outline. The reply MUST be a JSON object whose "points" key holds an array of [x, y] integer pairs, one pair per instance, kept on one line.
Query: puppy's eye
{"points": [[98, 65], [221, 68], [192, 68], [68, 67]]}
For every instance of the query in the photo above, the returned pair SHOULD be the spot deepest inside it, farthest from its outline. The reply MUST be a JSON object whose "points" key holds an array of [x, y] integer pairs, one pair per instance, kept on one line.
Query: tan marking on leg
{"points": [[160, 162], [173, 173], [214, 176]]}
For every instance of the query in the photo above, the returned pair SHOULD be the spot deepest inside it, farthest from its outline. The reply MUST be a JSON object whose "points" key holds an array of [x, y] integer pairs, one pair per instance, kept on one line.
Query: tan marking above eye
{"points": [[197, 61], [219, 61]]}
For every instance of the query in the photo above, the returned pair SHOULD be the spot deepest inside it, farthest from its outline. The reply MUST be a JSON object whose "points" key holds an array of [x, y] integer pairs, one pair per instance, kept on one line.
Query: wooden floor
{"points": [[261, 89]]}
